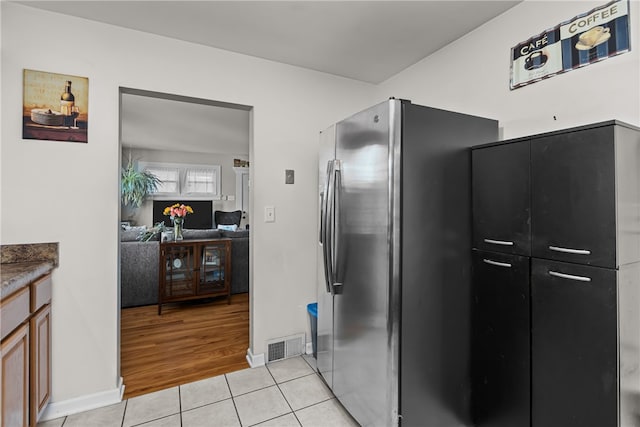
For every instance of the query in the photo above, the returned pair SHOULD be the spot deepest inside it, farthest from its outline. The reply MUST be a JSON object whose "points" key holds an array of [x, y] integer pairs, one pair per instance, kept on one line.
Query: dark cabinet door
{"points": [[573, 197], [501, 198], [573, 345], [500, 345]]}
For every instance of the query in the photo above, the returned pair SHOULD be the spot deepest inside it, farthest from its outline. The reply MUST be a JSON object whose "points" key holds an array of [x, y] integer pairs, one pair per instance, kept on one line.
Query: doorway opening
{"points": [[201, 149]]}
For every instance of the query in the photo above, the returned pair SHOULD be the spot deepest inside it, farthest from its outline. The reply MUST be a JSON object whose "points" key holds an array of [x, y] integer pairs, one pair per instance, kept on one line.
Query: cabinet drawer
{"points": [[40, 292], [13, 311]]}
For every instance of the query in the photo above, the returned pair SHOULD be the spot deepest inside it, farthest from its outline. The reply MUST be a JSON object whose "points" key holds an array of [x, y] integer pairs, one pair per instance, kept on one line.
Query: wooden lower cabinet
{"points": [[25, 354], [14, 377], [40, 390]]}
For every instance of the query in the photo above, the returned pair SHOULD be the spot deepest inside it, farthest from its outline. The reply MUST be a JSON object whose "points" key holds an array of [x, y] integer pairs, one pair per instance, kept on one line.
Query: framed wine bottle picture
{"points": [[55, 106]]}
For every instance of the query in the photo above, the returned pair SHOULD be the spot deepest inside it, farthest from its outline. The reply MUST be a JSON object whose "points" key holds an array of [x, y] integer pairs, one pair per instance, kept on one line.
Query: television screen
{"points": [[201, 218]]}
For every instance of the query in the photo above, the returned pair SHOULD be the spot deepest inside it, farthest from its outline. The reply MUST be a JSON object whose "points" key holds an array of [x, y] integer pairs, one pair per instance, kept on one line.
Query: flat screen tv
{"points": [[201, 218]]}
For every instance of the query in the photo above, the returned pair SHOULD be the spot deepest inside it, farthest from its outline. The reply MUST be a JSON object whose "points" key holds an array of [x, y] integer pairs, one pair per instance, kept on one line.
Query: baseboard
{"points": [[83, 403], [255, 360]]}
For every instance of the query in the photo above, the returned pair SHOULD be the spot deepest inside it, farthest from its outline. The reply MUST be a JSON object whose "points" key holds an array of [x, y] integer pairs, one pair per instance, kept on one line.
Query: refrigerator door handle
{"points": [[570, 276], [327, 240], [335, 232]]}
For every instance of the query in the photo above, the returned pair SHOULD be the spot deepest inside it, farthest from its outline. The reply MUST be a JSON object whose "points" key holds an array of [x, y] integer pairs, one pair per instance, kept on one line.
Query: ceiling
{"points": [[158, 121], [363, 40]]}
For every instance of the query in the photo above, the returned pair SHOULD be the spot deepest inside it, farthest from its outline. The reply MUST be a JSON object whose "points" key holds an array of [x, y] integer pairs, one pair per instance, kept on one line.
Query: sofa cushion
{"points": [[238, 234], [193, 234], [131, 234]]}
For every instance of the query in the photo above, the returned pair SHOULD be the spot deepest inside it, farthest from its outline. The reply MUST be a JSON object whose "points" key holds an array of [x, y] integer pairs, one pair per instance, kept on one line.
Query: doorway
{"points": [[162, 128]]}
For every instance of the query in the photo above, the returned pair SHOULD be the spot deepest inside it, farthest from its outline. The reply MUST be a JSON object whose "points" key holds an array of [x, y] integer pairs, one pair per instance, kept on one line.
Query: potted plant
{"points": [[136, 185]]}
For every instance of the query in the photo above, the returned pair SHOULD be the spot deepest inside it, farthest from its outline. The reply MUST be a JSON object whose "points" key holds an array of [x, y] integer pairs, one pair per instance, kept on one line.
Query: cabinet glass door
{"points": [[212, 268], [501, 198], [573, 345], [179, 268], [573, 197]]}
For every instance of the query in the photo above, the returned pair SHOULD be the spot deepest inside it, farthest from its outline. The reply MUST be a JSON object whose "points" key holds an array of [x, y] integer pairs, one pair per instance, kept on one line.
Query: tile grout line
{"points": [[283, 396], [232, 399], [126, 403], [180, 404]]}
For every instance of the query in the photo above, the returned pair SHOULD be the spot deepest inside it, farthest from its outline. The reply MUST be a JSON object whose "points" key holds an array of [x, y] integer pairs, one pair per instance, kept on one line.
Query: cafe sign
{"points": [[591, 37]]}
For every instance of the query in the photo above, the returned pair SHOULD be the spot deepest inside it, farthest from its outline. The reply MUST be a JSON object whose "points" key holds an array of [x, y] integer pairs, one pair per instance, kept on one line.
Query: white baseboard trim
{"points": [[255, 360], [84, 403]]}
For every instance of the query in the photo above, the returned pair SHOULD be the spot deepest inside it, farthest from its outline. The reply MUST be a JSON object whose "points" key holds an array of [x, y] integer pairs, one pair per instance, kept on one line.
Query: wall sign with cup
{"points": [[591, 37]]}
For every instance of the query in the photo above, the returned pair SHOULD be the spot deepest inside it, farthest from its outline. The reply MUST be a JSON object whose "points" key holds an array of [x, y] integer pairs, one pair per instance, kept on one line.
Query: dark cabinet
{"points": [[574, 197], [501, 198], [574, 345], [500, 349], [192, 269], [584, 193]]}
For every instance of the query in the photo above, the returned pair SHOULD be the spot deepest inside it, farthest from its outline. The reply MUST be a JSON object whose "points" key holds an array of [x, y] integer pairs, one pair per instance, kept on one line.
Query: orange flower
{"points": [[177, 210]]}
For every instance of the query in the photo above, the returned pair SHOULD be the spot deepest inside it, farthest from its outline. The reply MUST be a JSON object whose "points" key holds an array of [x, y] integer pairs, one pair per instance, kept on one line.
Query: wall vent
{"points": [[283, 348]]}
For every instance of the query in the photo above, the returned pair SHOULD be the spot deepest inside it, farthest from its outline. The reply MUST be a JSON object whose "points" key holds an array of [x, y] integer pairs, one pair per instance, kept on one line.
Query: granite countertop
{"points": [[19, 274], [22, 264]]}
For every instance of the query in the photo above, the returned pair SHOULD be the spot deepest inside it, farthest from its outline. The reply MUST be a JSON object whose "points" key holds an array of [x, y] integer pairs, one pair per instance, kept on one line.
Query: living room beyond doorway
{"points": [[191, 340]]}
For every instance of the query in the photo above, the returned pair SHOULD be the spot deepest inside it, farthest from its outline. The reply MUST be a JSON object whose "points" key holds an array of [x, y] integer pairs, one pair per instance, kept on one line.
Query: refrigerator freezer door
{"points": [[325, 298], [364, 377]]}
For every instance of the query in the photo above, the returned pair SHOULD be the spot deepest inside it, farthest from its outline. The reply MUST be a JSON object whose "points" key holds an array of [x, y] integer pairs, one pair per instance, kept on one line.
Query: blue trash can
{"points": [[313, 317]]}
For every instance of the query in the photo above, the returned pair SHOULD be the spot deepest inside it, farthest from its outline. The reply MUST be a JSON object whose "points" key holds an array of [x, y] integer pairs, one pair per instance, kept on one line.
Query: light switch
{"points": [[289, 176], [269, 214]]}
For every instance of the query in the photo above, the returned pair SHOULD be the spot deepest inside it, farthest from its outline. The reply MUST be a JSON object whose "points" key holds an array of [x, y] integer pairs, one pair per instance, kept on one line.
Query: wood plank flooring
{"points": [[189, 342]]}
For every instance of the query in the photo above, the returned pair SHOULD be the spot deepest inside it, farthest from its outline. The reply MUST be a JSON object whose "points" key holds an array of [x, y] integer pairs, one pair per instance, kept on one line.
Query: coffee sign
{"points": [[591, 37]]}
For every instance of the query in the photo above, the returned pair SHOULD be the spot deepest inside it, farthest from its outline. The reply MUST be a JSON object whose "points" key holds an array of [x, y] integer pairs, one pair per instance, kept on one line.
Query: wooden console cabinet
{"points": [[193, 269]]}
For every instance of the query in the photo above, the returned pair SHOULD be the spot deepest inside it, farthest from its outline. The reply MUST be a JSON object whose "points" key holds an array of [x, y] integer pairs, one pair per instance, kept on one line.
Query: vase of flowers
{"points": [[177, 213]]}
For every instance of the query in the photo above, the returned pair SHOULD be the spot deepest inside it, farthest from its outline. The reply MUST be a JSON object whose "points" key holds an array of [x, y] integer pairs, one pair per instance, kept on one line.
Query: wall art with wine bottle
{"points": [[55, 106]]}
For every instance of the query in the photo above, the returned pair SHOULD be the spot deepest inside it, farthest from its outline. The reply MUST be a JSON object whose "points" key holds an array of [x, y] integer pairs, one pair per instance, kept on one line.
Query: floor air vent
{"points": [[283, 348]]}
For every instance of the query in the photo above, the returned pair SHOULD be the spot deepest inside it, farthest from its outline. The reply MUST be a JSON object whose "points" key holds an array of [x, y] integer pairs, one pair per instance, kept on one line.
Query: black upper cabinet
{"points": [[501, 198], [574, 201]]}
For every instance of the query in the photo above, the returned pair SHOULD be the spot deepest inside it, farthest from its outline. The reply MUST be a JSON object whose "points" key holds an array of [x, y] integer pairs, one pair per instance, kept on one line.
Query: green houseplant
{"points": [[136, 185]]}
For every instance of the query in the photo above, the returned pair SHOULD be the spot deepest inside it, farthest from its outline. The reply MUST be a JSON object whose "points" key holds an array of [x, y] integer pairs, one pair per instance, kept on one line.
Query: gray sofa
{"points": [[139, 264]]}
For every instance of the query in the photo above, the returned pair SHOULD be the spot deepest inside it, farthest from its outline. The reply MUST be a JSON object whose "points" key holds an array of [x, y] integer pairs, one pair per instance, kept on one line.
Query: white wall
{"points": [[471, 75], [68, 192], [144, 214]]}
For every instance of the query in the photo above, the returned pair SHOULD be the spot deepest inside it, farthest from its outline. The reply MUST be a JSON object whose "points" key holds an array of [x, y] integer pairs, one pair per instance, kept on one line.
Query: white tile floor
{"points": [[281, 394]]}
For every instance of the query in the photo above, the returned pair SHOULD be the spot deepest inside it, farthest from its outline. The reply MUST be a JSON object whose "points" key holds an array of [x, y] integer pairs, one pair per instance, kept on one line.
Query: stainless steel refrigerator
{"points": [[394, 263]]}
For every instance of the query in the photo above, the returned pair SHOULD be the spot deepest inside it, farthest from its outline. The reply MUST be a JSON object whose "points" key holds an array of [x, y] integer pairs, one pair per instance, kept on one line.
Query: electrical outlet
{"points": [[269, 214]]}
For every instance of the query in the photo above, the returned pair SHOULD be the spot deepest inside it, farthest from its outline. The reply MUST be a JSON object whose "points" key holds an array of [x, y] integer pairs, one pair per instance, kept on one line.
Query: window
{"points": [[170, 178], [185, 179], [200, 181]]}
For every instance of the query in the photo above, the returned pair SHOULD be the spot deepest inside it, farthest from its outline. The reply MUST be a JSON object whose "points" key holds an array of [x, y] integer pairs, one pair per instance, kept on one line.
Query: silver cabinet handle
{"points": [[570, 276], [498, 242], [499, 264], [570, 251]]}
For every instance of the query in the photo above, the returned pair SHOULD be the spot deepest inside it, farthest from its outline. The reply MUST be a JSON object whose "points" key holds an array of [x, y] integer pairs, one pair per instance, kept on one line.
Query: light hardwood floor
{"points": [[189, 342]]}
